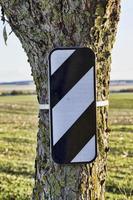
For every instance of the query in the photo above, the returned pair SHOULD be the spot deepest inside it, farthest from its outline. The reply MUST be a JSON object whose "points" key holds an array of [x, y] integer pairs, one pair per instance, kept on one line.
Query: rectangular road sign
{"points": [[72, 105]]}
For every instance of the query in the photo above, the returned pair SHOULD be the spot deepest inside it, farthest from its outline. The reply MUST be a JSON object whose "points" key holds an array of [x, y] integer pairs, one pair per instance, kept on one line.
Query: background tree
{"points": [[42, 25]]}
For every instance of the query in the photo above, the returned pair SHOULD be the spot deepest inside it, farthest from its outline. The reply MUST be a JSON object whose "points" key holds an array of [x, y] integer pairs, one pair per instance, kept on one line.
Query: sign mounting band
{"points": [[98, 104]]}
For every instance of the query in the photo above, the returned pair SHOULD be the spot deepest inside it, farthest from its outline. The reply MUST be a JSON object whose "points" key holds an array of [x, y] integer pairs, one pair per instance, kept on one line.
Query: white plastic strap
{"points": [[102, 103], [44, 106], [98, 104]]}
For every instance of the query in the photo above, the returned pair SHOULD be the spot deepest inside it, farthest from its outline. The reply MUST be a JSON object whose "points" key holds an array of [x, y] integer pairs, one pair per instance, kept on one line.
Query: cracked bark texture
{"points": [[42, 25]]}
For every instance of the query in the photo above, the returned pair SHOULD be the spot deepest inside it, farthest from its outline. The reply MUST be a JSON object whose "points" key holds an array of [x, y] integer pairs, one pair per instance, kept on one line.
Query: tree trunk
{"points": [[42, 25]]}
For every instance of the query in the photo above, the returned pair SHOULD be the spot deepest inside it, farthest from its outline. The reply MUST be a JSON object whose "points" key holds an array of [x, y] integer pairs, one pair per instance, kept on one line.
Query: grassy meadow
{"points": [[18, 127], [119, 185]]}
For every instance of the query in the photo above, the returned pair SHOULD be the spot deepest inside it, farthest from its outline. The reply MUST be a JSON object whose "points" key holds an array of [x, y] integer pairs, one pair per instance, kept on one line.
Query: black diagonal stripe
{"points": [[69, 73], [76, 137]]}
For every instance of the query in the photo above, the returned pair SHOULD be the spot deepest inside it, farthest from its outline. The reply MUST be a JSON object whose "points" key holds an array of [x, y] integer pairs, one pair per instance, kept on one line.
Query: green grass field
{"points": [[119, 185], [18, 127]]}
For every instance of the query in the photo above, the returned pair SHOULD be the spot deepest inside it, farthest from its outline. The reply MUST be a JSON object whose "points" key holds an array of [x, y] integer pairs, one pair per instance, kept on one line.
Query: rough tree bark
{"points": [[42, 25]]}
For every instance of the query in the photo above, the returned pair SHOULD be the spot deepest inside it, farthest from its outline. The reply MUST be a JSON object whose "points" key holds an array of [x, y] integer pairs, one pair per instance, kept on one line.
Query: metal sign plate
{"points": [[72, 105]]}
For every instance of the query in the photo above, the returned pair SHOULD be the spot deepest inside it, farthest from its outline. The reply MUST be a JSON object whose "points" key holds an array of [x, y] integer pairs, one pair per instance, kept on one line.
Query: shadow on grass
{"points": [[123, 153], [123, 129], [18, 112], [17, 140], [114, 188], [17, 173]]}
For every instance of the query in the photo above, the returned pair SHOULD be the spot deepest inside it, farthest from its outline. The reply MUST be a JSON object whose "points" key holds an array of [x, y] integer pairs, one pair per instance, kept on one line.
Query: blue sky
{"points": [[14, 65], [122, 54]]}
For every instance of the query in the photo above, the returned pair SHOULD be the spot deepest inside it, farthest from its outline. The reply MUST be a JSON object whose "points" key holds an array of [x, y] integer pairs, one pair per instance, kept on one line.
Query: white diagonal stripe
{"points": [[72, 105], [58, 57], [88, 152]]}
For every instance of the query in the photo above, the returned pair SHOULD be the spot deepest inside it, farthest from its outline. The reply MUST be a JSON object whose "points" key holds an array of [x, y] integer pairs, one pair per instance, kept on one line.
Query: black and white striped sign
{"points": [[72, 105]]}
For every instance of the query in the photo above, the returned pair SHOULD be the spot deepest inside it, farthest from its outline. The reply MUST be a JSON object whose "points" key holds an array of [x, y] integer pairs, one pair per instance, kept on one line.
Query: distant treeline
{"points": [[122, 91], [17, 83], [16, 92], [121, 82], [20, 92], [28, 82]]}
